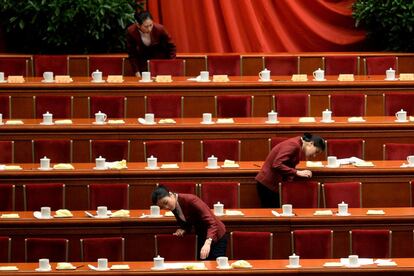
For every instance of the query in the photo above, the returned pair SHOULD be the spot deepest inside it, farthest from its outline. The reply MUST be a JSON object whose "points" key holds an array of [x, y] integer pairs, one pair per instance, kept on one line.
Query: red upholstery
{"points": [[411, 193], [335, 65], [58, 64], [224, 65], [301, 194], [173, 67], [378, 65], [44, 194], [5, 250], [164, 106], [113, 196], [371, 243], [164, 150], [59, 106], [54, 249], [228, 106], [251, 245], [6, 152], [344, 148], [292, 105], [313, 244], [7, 197], [394, 102], [281, 65], [58, 151], [15, 66], [112, 248], [181, 187], [222, 149], [348, 192], [107, 65], [5, 106], [176, 248], [112, 106], [275, 140], [348, 104], [393, 151], [111, 150], [226, 192]]}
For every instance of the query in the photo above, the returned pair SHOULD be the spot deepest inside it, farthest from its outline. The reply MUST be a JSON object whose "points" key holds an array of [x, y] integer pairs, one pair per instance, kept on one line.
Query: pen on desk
{"points": [[256, 165]]}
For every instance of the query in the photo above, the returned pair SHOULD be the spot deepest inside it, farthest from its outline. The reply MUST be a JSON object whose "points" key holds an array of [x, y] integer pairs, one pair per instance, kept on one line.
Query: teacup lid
{"points": [[47, 113], [152, 157], [218, 204], [97, 71], [342, 203], [390, 69], [212, 157], [327, 110], [319, 70], [44, 158], [100, 158], [272, 112], [99, 113], [265, 70], [158, 257]]}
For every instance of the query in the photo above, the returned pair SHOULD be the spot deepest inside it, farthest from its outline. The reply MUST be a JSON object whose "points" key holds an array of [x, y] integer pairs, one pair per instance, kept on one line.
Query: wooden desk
{"points": [[139, 232], [199, 97], [260, 267], [385, 185], [253, 132]]}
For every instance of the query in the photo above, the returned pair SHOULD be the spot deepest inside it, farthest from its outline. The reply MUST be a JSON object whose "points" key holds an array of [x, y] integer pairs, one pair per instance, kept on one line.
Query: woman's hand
{"points": [[205, 250], [179, 232], [304, 173]]}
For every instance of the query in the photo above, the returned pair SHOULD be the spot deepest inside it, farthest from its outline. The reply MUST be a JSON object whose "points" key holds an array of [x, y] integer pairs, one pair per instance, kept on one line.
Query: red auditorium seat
{"points": [[173, 67], [348, 192], [313, 243], [113, 196], [251, 245], [111, 248], [301, 194], [228, 193], [176, 248]]}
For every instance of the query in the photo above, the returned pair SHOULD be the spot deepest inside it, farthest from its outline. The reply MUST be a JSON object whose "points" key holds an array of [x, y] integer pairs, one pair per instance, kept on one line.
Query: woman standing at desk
{"points": [[189, 210], [280, 166], [147, 40]]}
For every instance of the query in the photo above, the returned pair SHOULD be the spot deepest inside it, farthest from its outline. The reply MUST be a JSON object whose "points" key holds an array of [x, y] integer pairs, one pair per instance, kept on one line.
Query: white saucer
{"points": [[203, 80], [69, 268], [47, 124], [45, 169], [145, 81], [394, 79], [101, 217], [224, 267], [265, 80], [353, 266], [343, 215], [207, 123], [99, 169], [333, 167], [155, 216], [401, 121], [37, 215], [284, 215], [3, 81], [387, 264], [160, 268], [269, 122], [46, 81], [213, 168], [293, 266], [98, 123], [155, 168], [330, 121], [319, 80], [154, 123], [44, 270], [96, 81]]}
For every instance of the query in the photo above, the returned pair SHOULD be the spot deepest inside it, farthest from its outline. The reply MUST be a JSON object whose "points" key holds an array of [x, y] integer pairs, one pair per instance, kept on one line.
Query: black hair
{"points": [[317, 141], [140, 17], [159, 192]]}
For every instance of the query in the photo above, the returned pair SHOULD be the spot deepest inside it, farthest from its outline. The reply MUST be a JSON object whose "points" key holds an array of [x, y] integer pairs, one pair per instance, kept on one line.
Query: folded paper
{"points": [[14, 122], [117, 165], [356, 119], [63, 122], [115, 78], [63, 166], [225, 121], [314, 164], [307, 120], [9, 216], [406, 76], [120, 213], [63, 213], [63, 79], [241, 264], [299, 77], [163, 78], [15, 79], [346, 77], [166, 121], [220, 78]]}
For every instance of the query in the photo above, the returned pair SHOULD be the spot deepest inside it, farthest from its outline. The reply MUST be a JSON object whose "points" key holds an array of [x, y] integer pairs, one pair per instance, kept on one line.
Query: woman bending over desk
{"points": [[189, 210], [280, 166]]}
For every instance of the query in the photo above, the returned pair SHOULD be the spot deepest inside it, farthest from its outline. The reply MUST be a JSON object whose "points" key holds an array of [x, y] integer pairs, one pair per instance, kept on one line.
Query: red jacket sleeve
{"points": [[207, 218]]}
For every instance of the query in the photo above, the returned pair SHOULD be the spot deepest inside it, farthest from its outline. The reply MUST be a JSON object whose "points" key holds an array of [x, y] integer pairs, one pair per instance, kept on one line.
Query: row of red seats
{"points": [[215, 64], [226, 106]]}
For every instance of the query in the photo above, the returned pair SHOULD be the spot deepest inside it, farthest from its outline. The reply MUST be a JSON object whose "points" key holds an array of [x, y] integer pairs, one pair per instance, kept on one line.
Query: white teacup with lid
{"points": [[343, 209], [97, 76], [272, 117], [145, 76], [332, 161], [100, 117], [390, 74], [102, 212], [158, 262], [410, 160], [218, 209], [207, 118], [44, 265], [287, 210], [401, 116], [1, 119], [152, 162], [47, 118], [48, 76], [100, 163], [222, 262], [294, 261], [204, 76], [45, 212], [44, 163], [2, 77], [102, 264], [353, 260], [264, 75], [155, 210], [327, 116], [149, 118], [212, 162], [319, 74]]}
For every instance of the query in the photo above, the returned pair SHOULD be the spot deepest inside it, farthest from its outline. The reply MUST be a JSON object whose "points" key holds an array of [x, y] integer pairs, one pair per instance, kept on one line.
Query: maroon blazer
{"points": [[161, 47], [280, 163], [197, 214]]}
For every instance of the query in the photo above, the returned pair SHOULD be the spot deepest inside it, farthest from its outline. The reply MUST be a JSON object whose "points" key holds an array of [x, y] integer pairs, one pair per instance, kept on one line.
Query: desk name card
{"points": [[299, 77], [15, 79], [406, 76], [346, 77], [115, 78], [220, 78], [163, 78], [63, 79]]}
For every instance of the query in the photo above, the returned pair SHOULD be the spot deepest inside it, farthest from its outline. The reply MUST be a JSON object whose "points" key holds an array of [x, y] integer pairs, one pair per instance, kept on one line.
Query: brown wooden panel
{"points": [[78, 66], [252, 65], [310, 64]]}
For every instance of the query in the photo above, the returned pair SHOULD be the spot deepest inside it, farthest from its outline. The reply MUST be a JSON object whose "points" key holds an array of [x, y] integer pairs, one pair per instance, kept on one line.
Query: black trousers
{"points": [[268, 198], [217, 249]]}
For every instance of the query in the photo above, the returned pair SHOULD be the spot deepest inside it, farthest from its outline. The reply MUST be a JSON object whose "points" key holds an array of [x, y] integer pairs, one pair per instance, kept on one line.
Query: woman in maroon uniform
{"points": [[280, 166], [189, 210]]}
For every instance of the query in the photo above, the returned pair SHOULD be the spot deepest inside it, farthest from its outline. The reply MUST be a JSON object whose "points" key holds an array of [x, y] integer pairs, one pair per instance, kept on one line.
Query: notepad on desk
{"points": [[63, 122], [307, 120], [314, 164], [225, 121]]}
